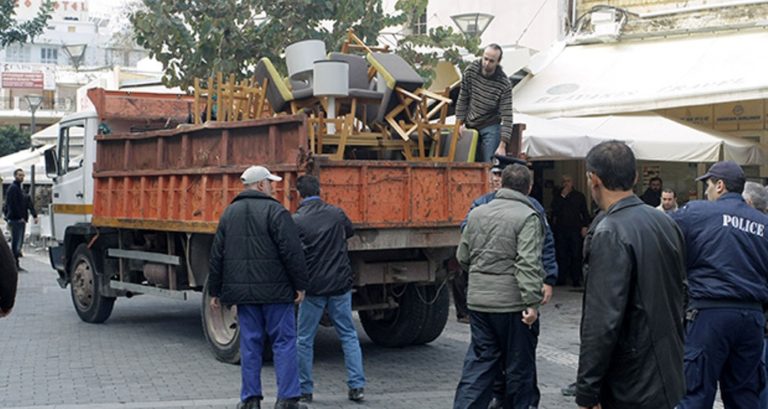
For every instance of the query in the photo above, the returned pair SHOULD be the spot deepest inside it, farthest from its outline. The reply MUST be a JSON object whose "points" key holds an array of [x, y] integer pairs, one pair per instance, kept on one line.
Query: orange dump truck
{"points": [[135, 212]]}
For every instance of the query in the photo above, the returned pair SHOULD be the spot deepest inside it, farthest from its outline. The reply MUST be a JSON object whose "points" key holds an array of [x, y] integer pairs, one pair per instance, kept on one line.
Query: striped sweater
{"points": [[485, 101]]}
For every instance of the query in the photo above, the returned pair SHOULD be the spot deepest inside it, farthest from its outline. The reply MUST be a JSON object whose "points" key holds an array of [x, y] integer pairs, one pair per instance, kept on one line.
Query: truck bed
{"points": [[182, 179]]}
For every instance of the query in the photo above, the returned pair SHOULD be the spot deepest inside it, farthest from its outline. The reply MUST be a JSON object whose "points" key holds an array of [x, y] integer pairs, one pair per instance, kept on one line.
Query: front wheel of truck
{"points": [[221, 329], [85, 282]]}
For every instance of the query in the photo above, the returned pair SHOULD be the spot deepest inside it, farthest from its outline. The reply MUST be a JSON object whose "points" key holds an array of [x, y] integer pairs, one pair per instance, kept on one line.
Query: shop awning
{"points": [[652, 137], [646, 75], [24, 159]]}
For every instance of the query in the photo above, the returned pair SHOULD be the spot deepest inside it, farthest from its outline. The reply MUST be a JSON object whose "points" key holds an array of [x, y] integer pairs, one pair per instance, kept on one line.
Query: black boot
{"points": [[252, 403], [292, 403]]}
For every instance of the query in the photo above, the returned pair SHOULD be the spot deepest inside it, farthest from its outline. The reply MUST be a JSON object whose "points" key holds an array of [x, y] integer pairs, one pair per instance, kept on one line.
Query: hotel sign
{"points": [[23, 80]]}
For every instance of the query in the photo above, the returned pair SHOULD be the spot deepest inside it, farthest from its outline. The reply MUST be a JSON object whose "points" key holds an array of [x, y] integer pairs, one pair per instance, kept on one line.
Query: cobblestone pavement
{"points": [[151, 353]]}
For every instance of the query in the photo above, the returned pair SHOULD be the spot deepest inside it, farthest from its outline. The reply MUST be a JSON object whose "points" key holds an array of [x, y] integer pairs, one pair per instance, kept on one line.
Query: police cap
{"points": [[725, 170], [500, 162]]}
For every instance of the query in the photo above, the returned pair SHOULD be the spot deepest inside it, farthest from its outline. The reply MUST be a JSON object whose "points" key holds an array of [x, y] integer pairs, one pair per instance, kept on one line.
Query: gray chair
{"points": [[398, 81], [280, 97], [365, 99]]}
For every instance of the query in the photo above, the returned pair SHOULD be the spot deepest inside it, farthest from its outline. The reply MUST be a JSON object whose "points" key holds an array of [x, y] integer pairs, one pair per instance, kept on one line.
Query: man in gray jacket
{"points": [[501, 248]]}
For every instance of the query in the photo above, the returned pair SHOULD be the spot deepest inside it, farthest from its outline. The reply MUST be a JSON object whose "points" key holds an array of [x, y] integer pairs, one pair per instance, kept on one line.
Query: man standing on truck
{"points": [[17, 208], [501, 248], [324, 230], [257, 263], [485, 103]]}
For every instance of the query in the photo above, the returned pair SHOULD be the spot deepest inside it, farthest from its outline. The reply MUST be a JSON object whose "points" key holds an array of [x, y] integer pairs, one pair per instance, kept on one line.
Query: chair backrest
{"points": [[446, 76], [392, 71], [395, 71], [358, 69], [278, 93], [466, 146]]}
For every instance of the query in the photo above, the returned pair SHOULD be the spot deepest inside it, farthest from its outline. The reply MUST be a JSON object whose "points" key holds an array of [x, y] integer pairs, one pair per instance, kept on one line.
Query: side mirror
{"points": [[51, 163]]}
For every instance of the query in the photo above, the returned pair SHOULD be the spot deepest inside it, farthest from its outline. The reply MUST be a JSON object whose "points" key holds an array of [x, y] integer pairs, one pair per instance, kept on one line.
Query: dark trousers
{"points": [[569, 253], [17, 236], [500, 341], [459, 288], [499, 388], [724, 344], [278, 322]]}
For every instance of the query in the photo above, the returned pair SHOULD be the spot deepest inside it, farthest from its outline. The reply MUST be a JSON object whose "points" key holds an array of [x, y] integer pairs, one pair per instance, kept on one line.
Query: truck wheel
{"points": [[400, 326], [221, 329], [85, 282], [437, 315]]}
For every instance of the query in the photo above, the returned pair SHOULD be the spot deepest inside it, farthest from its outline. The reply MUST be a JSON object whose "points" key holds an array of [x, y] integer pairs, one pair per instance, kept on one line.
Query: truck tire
{"points": [[221, 329], [85, 282], [437, 295], [398, 327]]}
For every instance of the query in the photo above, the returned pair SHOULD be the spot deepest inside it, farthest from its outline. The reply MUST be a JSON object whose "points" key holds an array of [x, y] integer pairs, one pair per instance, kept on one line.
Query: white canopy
{"points": [[637, 76], [652, 137], [24, 159]]}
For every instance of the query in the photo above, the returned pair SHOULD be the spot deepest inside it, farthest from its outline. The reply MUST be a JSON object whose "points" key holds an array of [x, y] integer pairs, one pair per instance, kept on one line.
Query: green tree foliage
{"points": [[197, 38], [12, 140], [12, 31]]}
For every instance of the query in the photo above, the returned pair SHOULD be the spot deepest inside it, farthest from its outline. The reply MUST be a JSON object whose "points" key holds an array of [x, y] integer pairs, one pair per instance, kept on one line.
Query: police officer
{"points": [[727, 262]]}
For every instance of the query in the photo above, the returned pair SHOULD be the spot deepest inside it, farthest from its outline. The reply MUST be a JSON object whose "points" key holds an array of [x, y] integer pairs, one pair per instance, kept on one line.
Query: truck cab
{"points": [[71, 170]]}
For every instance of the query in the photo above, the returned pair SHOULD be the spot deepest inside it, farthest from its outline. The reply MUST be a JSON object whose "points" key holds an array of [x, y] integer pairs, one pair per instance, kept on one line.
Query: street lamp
{"points": [[76, 52], [34, 102], [472, 24]]}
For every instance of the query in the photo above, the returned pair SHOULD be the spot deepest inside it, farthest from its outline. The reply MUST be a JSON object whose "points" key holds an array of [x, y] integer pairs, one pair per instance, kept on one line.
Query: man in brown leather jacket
{"points": [[631, 354]]}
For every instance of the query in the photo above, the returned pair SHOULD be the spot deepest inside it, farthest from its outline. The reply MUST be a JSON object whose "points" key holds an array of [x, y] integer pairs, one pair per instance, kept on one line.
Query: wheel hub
{"points": [[222, 323], [82, 285]]}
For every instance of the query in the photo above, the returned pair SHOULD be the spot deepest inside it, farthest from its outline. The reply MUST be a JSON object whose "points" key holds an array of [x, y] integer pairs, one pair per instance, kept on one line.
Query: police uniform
{"points": [[727, 262]]}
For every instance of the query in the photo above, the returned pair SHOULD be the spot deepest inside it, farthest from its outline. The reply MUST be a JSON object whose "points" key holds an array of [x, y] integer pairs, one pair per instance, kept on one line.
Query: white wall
{"points": [[529, 23]]}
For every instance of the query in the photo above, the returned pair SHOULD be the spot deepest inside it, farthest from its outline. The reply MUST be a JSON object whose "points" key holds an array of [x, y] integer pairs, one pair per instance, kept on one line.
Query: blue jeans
{"points": [[17, 236], [340, 312], [278, 321], [490, 136]]}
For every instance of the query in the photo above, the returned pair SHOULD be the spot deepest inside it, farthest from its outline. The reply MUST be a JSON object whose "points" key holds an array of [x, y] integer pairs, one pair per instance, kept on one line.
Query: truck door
{"points": [[71, 201]]}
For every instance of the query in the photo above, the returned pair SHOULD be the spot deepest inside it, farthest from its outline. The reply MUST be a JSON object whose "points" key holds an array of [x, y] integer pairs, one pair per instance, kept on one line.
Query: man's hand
{"points": [[299, 297], [215, 304], [5, 313], [529, 316], [547, 290], [502, 149], [37, 219], [584, 231]]}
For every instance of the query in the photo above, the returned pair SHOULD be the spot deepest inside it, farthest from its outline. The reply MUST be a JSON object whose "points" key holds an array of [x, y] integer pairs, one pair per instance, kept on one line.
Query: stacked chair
{"points": [[385, 108]]}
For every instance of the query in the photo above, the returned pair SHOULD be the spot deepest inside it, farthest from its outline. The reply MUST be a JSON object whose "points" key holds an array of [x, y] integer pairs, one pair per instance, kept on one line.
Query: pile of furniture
{"points": [[358, 105]]}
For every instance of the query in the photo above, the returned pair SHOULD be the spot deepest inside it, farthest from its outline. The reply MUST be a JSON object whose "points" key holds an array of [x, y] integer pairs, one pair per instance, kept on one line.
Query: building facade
{"points": [[76, 48]]}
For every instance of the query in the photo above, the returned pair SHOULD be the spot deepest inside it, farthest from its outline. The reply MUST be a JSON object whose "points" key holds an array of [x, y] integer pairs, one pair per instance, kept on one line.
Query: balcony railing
{"points": [[57, 105]]}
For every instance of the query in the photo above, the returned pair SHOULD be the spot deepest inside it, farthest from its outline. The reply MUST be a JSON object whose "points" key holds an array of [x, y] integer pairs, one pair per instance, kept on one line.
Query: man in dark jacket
{"points": [[324, 230], [631, 353], [17, 208], [8, 278], [570, 219], [257, 263], [652, 195], [727, 249]]}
